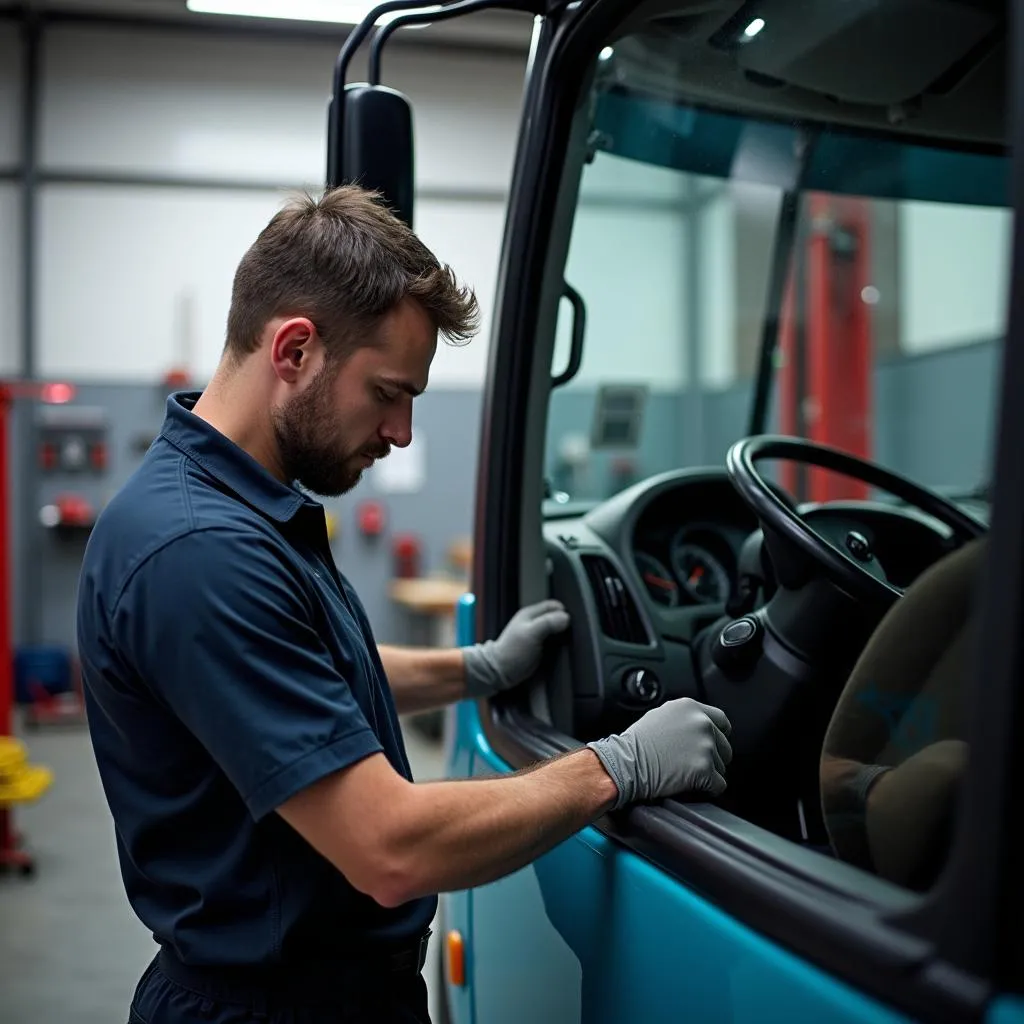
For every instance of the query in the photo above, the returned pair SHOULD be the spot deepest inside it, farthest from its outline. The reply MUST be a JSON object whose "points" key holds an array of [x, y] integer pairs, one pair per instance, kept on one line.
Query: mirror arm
{"points": [[428, 16], [336, 108], [355, 38]]}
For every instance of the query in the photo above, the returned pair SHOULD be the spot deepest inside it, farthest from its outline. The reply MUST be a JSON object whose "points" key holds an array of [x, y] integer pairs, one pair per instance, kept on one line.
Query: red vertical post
{"points": [[821, 410], [853, 368], [838, 339], [789, 384], [10, 855], [6, 654]]}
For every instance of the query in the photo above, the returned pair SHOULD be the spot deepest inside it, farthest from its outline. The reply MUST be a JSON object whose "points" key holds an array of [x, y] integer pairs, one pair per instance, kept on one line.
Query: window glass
{"points": [[869, 275], [890, 334]]}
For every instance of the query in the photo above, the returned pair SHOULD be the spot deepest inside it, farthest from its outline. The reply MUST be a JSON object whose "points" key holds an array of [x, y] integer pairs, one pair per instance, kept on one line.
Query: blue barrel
{"points": [[48, 666]]}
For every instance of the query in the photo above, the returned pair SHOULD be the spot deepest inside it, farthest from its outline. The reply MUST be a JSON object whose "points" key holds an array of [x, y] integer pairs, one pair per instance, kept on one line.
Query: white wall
{"points": [[129, 275], [466, 235], [10, 279], [122, 266], [138, 280], [253, 109], [10, 193], [627, 258], [716, 299], [954, 265]]}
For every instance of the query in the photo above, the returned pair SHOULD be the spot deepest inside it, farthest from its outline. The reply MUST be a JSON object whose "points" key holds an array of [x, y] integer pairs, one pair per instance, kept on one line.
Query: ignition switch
{"points": [[738, 646], [642, 684]]}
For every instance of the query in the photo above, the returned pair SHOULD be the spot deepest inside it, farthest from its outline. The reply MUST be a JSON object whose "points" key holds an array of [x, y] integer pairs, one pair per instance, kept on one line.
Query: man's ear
{"points": [[293, 349]]}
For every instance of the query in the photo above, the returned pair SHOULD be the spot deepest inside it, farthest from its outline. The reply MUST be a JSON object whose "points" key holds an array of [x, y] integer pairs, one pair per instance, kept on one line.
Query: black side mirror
{"points": [[370, 144]]}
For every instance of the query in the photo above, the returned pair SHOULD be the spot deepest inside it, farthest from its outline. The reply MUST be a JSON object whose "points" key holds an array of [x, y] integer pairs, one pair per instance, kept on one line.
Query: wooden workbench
{"points": [[428, 595], [431, 602]]}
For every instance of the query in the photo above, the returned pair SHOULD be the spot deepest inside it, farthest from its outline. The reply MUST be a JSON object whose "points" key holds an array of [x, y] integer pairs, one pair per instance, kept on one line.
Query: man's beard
{"points": [[311, 451]]}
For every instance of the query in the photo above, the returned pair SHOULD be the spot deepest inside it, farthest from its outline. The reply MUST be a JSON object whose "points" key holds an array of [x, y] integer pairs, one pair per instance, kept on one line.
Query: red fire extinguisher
{"points": [[371, 518], [407, 555]]}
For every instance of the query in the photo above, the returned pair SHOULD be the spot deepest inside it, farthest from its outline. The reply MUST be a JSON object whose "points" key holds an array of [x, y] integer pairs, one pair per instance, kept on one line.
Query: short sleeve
{"points": [[219, 624]]}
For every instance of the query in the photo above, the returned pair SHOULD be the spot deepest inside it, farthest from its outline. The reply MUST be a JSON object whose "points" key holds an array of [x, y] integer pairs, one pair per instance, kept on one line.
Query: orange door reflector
{"points": [[456, 959]]}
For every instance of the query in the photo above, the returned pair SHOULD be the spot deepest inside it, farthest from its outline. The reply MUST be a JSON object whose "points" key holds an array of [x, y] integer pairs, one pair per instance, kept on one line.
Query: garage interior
{"points": [[116, 114], [142, 146]]}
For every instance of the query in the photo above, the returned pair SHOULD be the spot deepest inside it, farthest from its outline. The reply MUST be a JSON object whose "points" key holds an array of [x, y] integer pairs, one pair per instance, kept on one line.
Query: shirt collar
{"points": [[226, 461]]}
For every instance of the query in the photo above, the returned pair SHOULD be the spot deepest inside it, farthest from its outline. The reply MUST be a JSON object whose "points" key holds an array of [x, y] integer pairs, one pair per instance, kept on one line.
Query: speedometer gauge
{"points": [[702, 576], [657, 579]]}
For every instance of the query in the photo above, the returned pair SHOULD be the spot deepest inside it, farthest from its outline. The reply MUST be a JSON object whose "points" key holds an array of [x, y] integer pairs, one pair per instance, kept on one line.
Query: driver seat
{"points": [[895, 749]]}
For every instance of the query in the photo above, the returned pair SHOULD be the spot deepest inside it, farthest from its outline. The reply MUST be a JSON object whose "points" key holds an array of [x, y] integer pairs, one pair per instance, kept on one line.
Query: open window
{"points": [[782, 227]]}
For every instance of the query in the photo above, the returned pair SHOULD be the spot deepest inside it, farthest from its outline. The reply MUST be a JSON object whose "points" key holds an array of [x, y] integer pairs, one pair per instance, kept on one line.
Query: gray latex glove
{"points": [[678, 747], [506, 662]]}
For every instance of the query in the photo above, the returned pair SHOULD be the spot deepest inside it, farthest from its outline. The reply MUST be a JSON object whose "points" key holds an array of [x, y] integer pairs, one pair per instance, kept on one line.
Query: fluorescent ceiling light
{"points": [[341, 12], [753, 28]]}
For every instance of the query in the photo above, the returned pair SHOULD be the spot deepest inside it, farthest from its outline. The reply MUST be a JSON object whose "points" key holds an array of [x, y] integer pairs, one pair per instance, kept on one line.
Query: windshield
{"points": [[873, 271]]}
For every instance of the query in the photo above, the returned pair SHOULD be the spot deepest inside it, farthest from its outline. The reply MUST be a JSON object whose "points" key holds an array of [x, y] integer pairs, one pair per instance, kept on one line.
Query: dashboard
{"points": [[641, 575], [673, 541], [654, 577], [644, 573]]}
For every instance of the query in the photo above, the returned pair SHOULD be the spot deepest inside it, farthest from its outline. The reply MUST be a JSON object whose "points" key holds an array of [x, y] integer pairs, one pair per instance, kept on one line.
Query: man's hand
{"points": [[506, 662], [678, 747]]}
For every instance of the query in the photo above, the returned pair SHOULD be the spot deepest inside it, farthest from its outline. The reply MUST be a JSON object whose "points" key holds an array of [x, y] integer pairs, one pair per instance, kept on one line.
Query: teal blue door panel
{"points": [[456, 907], [1006, 1010], [594, 933], [532, 929], [691, 960], [524, 969]]}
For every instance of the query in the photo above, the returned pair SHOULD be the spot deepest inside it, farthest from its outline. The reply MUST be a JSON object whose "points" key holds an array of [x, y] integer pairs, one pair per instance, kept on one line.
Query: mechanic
{"points": [[244, 720]]}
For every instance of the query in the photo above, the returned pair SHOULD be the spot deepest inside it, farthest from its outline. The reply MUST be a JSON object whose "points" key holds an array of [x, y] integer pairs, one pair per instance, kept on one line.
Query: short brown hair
{"points": [[343, 260]]}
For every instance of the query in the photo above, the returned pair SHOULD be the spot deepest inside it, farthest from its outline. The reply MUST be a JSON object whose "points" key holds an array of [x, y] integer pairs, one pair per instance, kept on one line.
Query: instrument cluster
{"points": [[695, 565]]}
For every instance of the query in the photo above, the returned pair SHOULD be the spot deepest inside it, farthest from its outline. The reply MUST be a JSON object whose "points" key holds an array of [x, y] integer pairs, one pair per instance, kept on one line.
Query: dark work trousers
{"points": [[167, 993]]}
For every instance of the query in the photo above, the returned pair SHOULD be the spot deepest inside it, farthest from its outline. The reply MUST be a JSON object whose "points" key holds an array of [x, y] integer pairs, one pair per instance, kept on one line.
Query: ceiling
{"points": [[486, 30]]}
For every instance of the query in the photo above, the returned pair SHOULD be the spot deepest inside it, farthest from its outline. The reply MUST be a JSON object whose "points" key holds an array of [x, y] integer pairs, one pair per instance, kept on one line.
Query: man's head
{"points": [[340, 304]]}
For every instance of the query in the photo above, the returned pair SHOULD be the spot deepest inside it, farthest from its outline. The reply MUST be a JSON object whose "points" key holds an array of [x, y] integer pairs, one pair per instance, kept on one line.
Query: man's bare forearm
{"points": [[422, 678], [395, 839], [456, 835]]}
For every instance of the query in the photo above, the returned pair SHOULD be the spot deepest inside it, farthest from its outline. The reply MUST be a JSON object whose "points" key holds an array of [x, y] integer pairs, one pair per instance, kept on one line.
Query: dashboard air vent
{"points": [[620, 618]]}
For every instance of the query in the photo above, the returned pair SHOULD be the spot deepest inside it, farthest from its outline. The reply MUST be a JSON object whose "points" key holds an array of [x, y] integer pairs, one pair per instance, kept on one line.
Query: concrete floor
{"points": [[70, 947]]}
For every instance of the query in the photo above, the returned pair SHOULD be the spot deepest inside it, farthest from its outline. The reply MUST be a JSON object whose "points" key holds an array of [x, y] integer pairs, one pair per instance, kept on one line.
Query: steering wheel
{"points": [[777, 670], [850, 566]]}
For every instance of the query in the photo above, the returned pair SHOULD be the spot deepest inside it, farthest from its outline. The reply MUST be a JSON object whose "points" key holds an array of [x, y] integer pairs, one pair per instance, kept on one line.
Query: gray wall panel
{"points": [[439, 514], [936, 413], [933, 417]]}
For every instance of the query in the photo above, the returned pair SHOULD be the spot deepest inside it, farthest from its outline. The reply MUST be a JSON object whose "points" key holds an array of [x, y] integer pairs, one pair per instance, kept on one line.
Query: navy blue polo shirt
{"points": [[228, 665]]}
